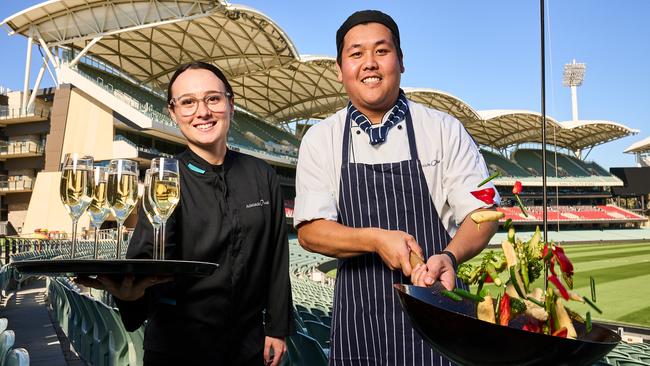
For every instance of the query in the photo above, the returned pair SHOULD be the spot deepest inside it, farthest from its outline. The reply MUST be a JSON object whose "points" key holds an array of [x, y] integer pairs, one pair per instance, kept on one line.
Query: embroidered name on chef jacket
{"points": [[259, 203]]}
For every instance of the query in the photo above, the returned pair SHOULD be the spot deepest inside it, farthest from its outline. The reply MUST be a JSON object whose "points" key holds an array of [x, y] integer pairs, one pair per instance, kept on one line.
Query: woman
{"points": [[231, 212]]}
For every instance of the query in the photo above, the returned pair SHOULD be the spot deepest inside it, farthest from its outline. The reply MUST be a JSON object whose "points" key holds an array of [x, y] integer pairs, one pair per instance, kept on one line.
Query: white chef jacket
{"points": [[451, 161]]}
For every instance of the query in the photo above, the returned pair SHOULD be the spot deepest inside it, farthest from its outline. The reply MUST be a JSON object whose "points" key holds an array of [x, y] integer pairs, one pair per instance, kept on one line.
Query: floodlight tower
{"points": [[574, 73]]}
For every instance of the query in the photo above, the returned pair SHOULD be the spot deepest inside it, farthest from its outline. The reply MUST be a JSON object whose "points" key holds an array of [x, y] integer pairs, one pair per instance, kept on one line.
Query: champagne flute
{"points": [[76, 189], [151, 212], [122, 193], [99, 208], [165, 192]]}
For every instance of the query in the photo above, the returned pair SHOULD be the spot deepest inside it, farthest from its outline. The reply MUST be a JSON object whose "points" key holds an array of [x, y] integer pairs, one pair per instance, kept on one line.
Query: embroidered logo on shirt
{"points": [[195, 168], [259, 203]]}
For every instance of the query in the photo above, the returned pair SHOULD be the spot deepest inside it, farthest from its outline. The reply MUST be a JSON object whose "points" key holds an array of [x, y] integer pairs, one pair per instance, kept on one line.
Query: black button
{"points": [[399, 127], [358, 132]]}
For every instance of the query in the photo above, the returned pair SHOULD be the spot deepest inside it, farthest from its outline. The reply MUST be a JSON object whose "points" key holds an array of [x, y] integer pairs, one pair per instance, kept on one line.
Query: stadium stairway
{"points": [[27, 315]]}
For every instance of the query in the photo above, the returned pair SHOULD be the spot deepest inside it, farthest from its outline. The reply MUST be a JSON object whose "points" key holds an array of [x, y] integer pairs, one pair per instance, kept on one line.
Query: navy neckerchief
{"points": [[378, 134]]}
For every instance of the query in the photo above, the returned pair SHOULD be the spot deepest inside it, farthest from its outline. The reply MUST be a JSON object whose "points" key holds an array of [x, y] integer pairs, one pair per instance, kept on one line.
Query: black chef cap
{"points": [[363, 17]]}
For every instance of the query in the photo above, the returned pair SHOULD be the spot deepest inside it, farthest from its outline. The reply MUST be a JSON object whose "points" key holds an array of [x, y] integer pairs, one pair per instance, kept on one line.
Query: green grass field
{"points": [[622, 274]]}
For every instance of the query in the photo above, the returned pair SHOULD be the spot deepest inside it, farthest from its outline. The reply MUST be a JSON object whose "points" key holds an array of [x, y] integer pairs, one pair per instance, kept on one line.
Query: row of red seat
{"points": [[570, 213]]}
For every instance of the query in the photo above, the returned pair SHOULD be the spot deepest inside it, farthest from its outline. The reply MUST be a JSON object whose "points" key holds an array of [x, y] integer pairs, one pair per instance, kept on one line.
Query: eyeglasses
{"points": [[188, 105]]}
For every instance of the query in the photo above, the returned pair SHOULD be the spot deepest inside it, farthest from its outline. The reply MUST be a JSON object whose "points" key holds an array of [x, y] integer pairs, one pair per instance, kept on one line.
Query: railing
{"points": [[9, 113], [147, 150], [23, 183], [22, 147], [145, 108]]}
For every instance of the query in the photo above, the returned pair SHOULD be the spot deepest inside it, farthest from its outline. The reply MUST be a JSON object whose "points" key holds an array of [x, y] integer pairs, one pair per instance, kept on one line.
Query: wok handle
{"points": [[415, 259]]}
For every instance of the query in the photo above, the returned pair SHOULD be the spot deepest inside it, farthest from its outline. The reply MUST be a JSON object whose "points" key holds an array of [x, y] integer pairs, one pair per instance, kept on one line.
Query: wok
{"points": [[452, 328]]}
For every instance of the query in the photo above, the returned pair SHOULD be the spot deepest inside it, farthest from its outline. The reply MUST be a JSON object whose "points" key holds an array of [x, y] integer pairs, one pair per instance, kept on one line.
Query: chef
{"points": [[381, 178]]}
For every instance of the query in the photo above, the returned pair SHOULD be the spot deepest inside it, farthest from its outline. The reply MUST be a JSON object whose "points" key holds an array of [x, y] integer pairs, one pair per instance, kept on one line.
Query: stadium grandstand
{"points": [[112, 60]]}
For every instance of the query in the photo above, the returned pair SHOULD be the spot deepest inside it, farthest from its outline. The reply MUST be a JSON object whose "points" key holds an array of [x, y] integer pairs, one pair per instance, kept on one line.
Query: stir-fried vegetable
{"points": [[519, 264]]}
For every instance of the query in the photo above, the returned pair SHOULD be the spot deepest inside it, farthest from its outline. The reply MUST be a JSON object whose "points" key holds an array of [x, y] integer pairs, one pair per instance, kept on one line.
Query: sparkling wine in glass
{"points": [[99, 208], [152, 212], [165, 191], [122, 193], [76, 189]]}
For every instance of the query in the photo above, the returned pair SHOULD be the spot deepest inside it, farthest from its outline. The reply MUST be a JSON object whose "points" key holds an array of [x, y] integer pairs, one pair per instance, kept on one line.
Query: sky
{"points": [[487, 53]]}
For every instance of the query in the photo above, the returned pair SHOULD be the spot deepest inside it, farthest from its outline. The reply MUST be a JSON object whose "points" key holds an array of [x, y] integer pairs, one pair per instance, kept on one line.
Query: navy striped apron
{"points": [[368, 325]]}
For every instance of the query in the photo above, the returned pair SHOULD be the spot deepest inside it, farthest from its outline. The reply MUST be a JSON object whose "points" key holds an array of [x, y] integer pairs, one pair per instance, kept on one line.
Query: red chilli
{"points": [[517, 188], [563, 260], [486, 195], [556, 282]]}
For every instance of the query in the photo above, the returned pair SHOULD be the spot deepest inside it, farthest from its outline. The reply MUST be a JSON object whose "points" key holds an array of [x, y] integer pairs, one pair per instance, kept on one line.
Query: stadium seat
{"points": [[320, 332], [137, 344], [301, 308], [630, 363], [304, 350], [99, 350], [305, 315], [7, 339], [17, 357], [118, 343], [318, 312], [326, 319]]}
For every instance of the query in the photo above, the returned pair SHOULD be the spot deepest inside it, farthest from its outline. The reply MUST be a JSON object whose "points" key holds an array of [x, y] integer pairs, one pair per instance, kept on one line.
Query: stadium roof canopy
{"points": [[639, 146], [149, 39], [504, 128]]}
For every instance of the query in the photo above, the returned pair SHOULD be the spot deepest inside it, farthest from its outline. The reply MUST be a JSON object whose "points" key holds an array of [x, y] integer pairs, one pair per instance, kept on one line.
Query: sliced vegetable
{"points": [[517, 306], [509, 252], [593, 305], [535, 301], [565, 264], [572, 295], [562, 332], [563, 292], [468, 295], [481, 281], [568, 280], [564, 321], [592, 284], [533, 243], [516, 281], [486, 195], [492, 272], [504, 310], [535, 310], [532, 326], [485, 310], [494, 175], [511, 235], [452, 295], [521, 205], [523, 266], [486, 216], [588, 323]]}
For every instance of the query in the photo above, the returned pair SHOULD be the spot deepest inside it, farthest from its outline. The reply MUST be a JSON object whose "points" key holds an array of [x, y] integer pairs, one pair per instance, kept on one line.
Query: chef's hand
{"points": [[394, 247], [438, 268], [127, 290], [278, 346]]}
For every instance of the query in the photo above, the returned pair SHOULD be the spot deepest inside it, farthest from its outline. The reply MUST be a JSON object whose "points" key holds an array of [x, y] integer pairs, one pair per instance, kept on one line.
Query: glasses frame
{"points": [[173, 103]]}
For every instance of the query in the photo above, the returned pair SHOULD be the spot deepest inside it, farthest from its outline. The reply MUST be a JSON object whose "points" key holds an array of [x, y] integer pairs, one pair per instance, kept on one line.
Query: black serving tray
{"points": [[114, 267]]}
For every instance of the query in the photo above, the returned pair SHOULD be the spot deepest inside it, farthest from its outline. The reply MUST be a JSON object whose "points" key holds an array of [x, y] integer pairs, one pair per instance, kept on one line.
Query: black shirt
{"points": [[233, 215]]}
